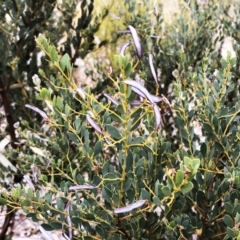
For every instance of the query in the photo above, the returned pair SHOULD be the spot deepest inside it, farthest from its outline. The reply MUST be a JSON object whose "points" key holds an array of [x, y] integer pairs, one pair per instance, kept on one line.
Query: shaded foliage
{"points": [[99, 165]]}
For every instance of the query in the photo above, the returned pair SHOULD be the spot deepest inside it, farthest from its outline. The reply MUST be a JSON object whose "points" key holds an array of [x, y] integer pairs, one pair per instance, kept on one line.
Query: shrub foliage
{"points": [[119, 164]]}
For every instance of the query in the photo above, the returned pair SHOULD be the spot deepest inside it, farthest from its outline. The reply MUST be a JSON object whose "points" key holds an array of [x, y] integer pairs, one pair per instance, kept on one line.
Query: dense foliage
{"points": [[156, 158]]}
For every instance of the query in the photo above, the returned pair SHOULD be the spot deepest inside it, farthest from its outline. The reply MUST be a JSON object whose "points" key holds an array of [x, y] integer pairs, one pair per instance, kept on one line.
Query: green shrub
{"points": [[101, 166], [97, 161]]}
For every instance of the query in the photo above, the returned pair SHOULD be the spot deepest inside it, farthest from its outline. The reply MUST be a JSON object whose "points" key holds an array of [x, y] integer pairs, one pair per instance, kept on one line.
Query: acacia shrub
{"points": [[110, 171]]}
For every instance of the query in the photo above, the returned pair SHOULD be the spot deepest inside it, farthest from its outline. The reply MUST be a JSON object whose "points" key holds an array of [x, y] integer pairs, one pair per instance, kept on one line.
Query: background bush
{"points": [[187, 170]]}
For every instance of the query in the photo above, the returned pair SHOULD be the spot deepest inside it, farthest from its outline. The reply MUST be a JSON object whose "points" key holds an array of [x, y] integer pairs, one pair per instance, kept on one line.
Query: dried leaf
{"points": [[43, 114], [80, 187], [114, 101], [93, 124], [129, 207], [136, 41], [140, 87], [123, 48], [150, 61]]}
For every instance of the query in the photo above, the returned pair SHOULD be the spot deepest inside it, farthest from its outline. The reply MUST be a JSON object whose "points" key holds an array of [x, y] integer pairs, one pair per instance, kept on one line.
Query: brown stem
{"points": [[7, 109]]}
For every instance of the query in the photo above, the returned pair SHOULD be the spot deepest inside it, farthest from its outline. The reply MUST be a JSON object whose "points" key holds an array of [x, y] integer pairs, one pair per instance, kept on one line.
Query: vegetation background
{"points": [[76, 165]]}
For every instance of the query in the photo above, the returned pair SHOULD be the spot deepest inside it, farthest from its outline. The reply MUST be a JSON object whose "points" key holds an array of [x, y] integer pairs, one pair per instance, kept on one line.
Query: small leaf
{"points": [[65, 60], [113, 131], [179, 178], [128, 70], [53, 54], [166, 191], [157, 201], [223, 63], [3, 201], [26, 203], [137, 140], [67, 110], [187, 188], [59, 103], [101, 232], [98, 148], [60, 204], [145, 194], [107, 195], [46, 227], [228, 207], [73, 137], [231, 233], [228, 221], [56, 225]]}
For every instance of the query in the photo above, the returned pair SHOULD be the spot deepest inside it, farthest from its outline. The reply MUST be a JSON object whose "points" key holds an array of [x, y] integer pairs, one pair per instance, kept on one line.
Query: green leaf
{"points": [[3, 201], [106, 216], [118, 60], [30, 192], [113, 131], [128, 69], [228, 207], [196, 164], [53, 54], [187, 188], [137, 140], [60, 204], [56, 225], [236, 209], [25, 202], [223, 63], [64, 62], [116, 118], [127, 184], [166, 191], [179, 178], [237, 218], [145, 195], [129, 162], [59, 103], [157, 201], [76, 221], [110, 176], [67, 110], [140, 171], [73, 137], [228, 221], [98, 148], [140, 162], [47, 227], [107, 195], [230, 88], [203, 149], [207, 128], [45, 94], [231, 232], [42, 41], [101, 232]]}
